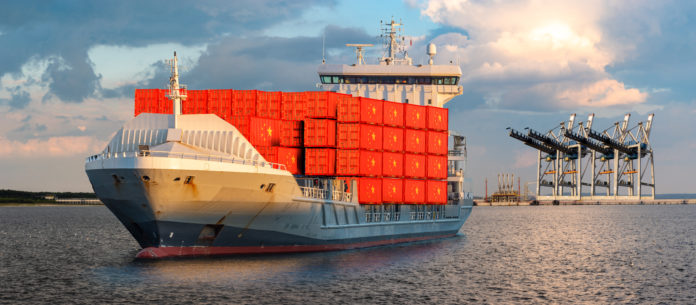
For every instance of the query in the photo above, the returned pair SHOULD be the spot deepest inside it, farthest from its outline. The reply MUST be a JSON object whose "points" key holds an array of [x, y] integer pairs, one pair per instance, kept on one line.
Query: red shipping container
{"points": [[348, 109], [392, 164], [292, 106], [148, 100], [347, 162], [370, 191], [415, 141], [319, 133], [414, 166], [242, 124], [359, 136], [437, 167], [393, 139], [320, 161], [437, 192], [393, 114], [370, 163], [292, 158], [414, 116], [264, 132], [268, 153], [371, 111], [437, 118], [392, 190], [437, 143], [244, 102], [268, 104], [321, 104], [196, 102], [291, 133], [414, 191], [220, 103]]}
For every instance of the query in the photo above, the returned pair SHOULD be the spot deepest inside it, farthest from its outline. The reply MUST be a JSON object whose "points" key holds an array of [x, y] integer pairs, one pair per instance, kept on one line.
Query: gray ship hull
{"points": [[229, 212]]}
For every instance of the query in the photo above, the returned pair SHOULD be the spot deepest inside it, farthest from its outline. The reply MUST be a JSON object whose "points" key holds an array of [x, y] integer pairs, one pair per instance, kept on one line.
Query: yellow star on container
{"points": [[373, 162], [393, 189], [395, 114], [373, 136], [394, 138], [439, 142], [373, 189], [438, 166], [416, 191], [417, 141], [438, 191], [417, 115], [394, 163], [417, 164], [374, 110], [293, 159], [270, 131], [439, 117]]}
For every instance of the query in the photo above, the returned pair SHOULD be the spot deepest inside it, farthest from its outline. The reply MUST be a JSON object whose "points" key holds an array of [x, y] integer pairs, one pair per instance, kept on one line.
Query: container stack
{"points": [[397, 152]]}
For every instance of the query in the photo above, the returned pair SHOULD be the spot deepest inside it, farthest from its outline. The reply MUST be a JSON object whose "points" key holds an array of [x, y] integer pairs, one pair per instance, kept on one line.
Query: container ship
{"points": [[367, 160]]}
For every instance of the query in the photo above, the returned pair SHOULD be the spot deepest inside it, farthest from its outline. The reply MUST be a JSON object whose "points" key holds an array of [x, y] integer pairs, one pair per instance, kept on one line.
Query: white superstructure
{"points": [[395, 78]]}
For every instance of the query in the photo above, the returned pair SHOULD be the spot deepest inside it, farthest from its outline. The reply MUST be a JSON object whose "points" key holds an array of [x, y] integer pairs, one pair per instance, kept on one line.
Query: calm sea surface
{"points": [[558, 254]]}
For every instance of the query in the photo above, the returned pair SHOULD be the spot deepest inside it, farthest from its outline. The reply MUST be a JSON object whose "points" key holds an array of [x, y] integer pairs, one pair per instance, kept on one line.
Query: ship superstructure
{"points": [[188, 180]]}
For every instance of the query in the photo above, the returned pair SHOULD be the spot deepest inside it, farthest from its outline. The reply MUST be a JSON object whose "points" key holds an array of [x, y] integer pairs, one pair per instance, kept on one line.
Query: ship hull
{"points": [[227, 212]]}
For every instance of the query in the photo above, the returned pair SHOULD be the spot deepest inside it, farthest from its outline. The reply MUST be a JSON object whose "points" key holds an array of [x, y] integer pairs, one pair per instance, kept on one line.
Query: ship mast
{"points": [[393, 45], [174, 86]]}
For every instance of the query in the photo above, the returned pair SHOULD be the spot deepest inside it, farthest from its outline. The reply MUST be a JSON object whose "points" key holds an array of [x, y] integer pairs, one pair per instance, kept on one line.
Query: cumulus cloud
{"points": [[51, 147], [533, 55]]}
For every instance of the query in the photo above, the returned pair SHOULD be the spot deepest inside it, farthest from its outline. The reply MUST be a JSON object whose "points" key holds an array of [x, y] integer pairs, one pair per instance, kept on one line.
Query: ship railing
{"points": [[184, 155], [455, 153], [320, 193]]}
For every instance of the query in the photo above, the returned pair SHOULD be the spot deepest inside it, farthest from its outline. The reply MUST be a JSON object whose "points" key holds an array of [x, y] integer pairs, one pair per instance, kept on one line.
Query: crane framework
{"points": [[579, 163]]}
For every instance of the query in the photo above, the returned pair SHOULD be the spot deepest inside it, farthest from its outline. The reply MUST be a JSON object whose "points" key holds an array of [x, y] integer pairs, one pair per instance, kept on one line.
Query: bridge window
{"points": [[419, 80]]}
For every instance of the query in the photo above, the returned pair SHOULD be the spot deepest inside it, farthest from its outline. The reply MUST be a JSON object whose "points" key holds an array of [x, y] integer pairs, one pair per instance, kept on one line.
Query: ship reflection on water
{"points": [[292, 267]]}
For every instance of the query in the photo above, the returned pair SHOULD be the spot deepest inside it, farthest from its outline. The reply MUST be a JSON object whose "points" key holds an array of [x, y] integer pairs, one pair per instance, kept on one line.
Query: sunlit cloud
{"points": [[51, 147]]}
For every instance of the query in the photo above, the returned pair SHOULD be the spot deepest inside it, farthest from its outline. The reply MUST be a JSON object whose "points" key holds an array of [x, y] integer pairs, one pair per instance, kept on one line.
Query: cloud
{"points": [[51, 147], [64, 32], [19, 99], [533, 55]]}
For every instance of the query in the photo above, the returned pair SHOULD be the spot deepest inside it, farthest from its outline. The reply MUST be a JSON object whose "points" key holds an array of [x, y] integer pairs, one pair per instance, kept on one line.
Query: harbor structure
{"points": [[578, 163]]}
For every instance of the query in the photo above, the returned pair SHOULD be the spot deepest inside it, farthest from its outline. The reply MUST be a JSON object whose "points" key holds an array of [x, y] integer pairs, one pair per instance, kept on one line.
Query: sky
{"points": [[68, 70]]}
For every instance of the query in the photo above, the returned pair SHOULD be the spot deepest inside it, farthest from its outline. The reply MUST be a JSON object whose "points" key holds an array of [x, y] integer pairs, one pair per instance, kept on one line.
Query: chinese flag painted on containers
{"points": [[437, 192], [319, 133], [437, 118], [291, 157], [370, 163], [347, 162], [437, 167], [414, 166], [370, 190], [393, 114], [392, 164], [393, 139], [348, 109], [264, 132], [392, 190], [437, 143], [414, 141], [414, 191], [320, 161], [414, 116], [363, 136], [371, 111]]}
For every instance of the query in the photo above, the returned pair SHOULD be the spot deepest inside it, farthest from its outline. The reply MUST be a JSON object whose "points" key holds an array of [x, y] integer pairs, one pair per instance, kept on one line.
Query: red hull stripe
{"points": [[162, 252]]}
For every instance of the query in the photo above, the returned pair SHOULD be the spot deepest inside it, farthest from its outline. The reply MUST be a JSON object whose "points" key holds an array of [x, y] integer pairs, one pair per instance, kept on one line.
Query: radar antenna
{"points": [[393, 43], [359, 50]]}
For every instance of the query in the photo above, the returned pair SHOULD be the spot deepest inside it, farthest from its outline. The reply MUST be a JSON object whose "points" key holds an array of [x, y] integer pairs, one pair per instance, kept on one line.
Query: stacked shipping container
{"points": [[396, 152]]}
